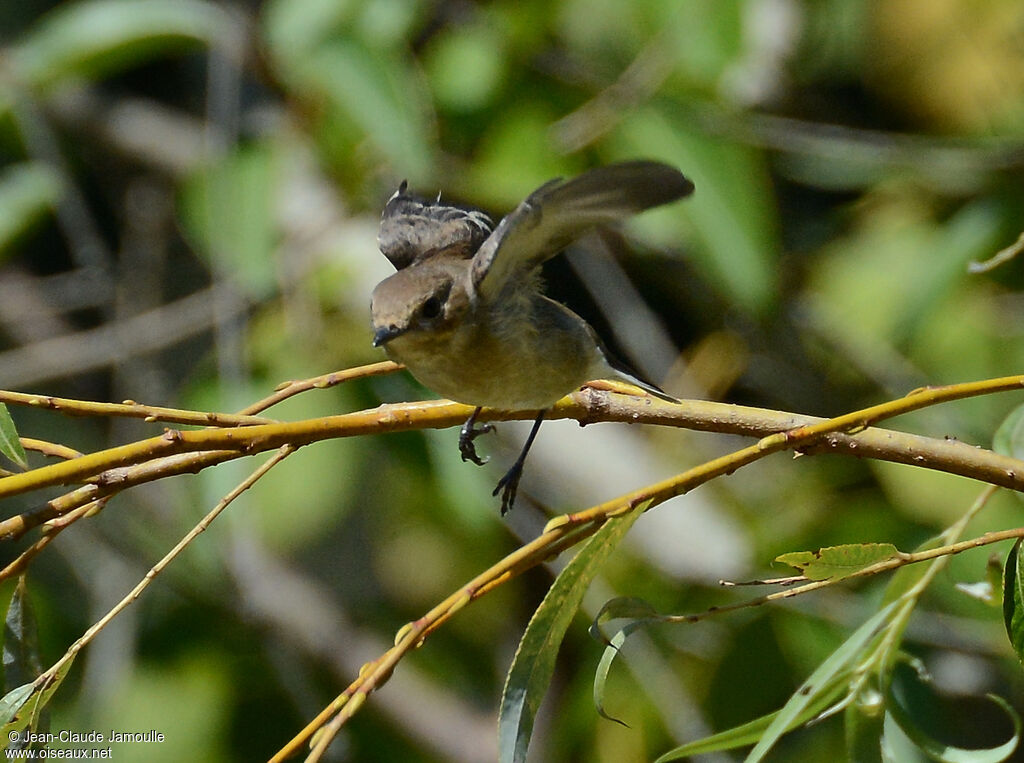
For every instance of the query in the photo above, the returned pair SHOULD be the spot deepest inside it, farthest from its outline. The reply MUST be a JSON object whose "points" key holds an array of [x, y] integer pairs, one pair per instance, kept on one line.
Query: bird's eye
{"points": [[431, 308]]}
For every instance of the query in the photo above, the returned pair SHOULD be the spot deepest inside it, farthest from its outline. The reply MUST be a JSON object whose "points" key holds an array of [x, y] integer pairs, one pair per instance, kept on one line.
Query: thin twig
{"points": [[159, 567]]}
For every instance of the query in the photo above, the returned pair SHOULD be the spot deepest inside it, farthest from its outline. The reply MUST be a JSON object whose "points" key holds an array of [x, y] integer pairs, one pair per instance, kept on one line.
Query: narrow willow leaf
{"points": [[534, 662], [28, 191], [613, 645], [25, 711], [1009, 437], [811, 689], [748, 733], [21, 642], [12, 703], [1013, 601], [630, 607], [897, 747], [933, 749], [642, 613], [837, 562], [863, 724], [909, 575], [10, 445], [383, 94], [90, 39]]}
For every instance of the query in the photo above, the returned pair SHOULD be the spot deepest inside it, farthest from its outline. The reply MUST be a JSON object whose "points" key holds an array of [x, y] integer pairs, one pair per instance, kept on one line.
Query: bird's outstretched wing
{"points": [[413, 228], [562, 210]]}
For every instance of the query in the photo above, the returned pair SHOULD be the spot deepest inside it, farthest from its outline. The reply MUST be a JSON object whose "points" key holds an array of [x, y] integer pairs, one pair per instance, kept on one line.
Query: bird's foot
{"points": [[508, 485], [467, 434]]}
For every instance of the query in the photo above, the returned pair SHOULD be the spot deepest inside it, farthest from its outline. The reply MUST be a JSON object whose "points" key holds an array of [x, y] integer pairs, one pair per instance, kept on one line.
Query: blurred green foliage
{"points": [[851, 157]]}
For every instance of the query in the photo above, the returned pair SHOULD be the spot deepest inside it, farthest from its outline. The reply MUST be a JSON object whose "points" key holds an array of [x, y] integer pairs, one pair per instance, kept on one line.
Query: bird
{"points": [[465, 313]]}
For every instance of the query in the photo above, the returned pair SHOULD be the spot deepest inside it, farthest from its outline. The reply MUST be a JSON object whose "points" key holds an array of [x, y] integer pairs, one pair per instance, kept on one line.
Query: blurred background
{"points": [[189, 195]]}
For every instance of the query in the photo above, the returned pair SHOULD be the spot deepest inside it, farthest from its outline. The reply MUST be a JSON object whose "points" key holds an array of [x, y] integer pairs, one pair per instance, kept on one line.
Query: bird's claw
{"points": [[467, 434], [508, 485]]}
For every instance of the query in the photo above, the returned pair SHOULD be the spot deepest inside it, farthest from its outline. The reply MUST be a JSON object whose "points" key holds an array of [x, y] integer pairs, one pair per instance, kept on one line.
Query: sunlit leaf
{"points": [[534, 662], [731, 210], [381, 93], [229, 209], [90, 39], [28, 191], [10, 444], [838, 561], [466, 65]]}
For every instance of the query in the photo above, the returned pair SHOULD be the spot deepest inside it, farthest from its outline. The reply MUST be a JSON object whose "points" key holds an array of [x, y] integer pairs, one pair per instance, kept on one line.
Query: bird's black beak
{"points": [[385, 334]]}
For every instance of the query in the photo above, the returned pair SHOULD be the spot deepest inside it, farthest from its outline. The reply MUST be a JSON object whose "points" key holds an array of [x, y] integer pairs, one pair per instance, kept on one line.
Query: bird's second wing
{"points": [[562, 210], [413, 228]]}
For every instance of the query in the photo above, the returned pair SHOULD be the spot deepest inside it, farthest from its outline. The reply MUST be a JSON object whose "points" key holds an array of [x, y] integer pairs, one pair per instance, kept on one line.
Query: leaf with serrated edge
{"points": [[837, 562], [534, 662]]}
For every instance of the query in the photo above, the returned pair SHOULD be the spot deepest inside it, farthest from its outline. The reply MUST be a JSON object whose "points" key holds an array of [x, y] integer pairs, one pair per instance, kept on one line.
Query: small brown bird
{"points": [[465, 314]]}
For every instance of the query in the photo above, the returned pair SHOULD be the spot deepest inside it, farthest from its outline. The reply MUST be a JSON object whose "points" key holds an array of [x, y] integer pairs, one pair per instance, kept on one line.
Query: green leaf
{"points": [[21, 643], [382, 95], [630, 607], [909, 575], [604, 666], [838, 562], [864, 723], [642, 613], [897, 747], [818, 682], [10, 444], [90, 39], [228, 208], [901, 716], [1013, 600], [534, 662], [466, 65], [748, 733], [1009, 437], [25, 711], [12, 702], [21, 707], [731, 212], [990, 590], [28, 191]]}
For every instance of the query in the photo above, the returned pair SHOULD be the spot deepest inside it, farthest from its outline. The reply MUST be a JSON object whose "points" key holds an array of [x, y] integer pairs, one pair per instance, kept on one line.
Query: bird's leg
{"points": [[510, 482], [467, 434]]}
